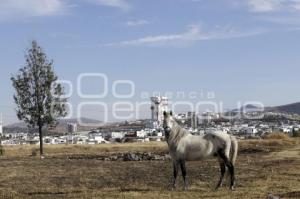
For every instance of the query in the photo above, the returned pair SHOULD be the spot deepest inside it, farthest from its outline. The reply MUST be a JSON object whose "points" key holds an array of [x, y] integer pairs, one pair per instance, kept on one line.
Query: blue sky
{"points": [[240, 50]]}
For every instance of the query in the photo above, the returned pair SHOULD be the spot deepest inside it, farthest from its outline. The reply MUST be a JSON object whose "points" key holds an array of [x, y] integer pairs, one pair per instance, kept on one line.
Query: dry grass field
{"points": [[264, 166]]}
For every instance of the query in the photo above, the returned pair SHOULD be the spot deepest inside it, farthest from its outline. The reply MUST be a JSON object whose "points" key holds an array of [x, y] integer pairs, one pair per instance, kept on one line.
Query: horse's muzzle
{"points": [[167, 129], [167, 132]]}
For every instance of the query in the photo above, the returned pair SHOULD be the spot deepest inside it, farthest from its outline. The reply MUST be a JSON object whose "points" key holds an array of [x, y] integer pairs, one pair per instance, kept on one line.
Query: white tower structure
{"points": [[159, 105]]}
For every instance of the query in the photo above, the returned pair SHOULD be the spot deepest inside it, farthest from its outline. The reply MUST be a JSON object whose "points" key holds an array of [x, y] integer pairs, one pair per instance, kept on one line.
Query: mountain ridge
{"points": [[292, 108]]}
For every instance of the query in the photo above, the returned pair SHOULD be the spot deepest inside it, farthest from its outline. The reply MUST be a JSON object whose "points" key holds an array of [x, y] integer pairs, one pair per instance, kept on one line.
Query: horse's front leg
{"points": [[223, 170], [175, 173], [183, 171]]}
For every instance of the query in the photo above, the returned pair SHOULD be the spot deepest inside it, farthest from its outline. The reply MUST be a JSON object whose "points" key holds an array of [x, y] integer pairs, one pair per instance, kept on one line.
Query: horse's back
{"points": [[217, 135], [193, 147], [221, 141]]}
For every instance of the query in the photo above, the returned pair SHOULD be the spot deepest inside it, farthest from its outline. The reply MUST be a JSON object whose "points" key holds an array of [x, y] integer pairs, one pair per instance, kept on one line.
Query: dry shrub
{"points": [[2, 150], [34, 152], [279, 142], [296, 134], [272, 142], [277, 136]]}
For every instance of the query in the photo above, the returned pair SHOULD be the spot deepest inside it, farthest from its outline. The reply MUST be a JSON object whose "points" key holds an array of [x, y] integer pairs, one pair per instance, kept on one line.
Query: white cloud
{"points": [[137, 23], [16, 8], [264, 5], [296, 5], [292, 20], [273, 5], [122, 4], [10, 9], [192, 34]]}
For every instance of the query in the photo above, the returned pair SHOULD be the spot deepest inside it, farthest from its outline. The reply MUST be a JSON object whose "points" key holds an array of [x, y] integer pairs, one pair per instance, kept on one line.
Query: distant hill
{"points": [[16, 125], [80, 120], [248, 108], [289, 108], [61, 122]]}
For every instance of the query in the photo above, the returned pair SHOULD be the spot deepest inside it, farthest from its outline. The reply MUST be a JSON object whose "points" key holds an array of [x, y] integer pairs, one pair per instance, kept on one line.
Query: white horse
{"points": [[184, 146]]}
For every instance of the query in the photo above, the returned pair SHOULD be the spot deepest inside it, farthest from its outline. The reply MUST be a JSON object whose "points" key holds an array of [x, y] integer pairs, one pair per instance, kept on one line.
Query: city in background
{"points": [[246, 123]]}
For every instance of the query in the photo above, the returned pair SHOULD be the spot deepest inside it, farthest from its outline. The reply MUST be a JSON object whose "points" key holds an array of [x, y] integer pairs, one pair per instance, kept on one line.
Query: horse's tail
{"points": [[234, 149]]}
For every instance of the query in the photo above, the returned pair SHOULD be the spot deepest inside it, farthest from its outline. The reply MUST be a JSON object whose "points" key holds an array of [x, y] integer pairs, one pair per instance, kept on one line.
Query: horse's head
{"points": [[168, 123]]}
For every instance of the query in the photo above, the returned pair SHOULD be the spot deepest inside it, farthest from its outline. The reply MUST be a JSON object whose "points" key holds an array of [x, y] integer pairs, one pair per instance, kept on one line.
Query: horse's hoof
{"points": [[232, 188], [172, 187], [218, 186]]}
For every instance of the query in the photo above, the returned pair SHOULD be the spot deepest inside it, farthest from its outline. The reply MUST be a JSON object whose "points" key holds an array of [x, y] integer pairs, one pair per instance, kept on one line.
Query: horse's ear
{"points": [[165, 113], [171, 113]]}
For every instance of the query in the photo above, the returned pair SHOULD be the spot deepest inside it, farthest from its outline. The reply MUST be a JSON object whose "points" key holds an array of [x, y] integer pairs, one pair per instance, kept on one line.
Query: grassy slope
{"points": [[259, 173]]}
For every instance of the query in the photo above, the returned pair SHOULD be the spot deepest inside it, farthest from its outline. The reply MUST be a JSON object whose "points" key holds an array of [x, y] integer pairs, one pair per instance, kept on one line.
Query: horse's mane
{"points": [[177, 133]]}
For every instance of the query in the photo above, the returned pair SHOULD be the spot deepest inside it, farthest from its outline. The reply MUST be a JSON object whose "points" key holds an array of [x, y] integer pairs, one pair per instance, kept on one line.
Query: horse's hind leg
{"points": [[223, 170], [175, 173], [183, 171], [230, 167]]}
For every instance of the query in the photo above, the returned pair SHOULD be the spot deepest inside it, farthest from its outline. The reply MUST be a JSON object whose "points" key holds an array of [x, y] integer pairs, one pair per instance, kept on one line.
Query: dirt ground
{"points": [[259, 172]]}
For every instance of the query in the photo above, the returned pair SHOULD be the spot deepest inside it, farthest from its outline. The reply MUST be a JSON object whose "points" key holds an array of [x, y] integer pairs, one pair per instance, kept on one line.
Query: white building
{"points": [[61, 140], [159, 134], [158, 106], [251, 130], [49, 140], [82, 139], [286, 129], [207, 117], [96, 137], [141, 134], [117, 135], [99, 139]]}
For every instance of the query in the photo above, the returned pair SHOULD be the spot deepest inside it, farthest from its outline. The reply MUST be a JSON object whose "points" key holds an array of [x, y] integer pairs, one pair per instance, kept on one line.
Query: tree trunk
{"points": [[41, 140]]}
